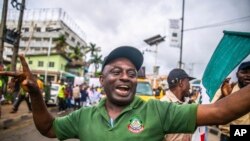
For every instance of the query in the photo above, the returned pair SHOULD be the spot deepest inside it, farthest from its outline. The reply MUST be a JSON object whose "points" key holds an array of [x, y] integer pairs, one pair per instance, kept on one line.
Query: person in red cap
{"points": [[123, 116]]}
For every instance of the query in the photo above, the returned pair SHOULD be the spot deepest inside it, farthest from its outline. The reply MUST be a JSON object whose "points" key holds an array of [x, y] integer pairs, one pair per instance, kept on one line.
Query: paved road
{"points": [[25, 131]]}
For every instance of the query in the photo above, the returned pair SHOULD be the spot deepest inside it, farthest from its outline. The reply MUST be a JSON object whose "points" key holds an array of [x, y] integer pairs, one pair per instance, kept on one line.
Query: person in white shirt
{"points": [[76, 96], [179, 86]]}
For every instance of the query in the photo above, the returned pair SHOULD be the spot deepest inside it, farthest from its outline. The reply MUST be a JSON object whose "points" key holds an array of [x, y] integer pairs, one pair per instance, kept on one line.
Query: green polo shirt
{"points": [[140, 121]]}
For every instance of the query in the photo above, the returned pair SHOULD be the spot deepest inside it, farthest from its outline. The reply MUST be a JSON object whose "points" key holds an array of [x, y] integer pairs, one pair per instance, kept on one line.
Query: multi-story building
{"points": [[39, 28]]}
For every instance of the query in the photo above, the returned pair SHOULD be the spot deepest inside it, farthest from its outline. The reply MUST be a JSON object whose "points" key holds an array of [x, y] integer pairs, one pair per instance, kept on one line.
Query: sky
{"points": [[113, 23]]}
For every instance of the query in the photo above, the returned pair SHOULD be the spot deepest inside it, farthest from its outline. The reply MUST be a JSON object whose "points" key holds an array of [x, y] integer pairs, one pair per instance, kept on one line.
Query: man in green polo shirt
{"points": [[122, 116]]}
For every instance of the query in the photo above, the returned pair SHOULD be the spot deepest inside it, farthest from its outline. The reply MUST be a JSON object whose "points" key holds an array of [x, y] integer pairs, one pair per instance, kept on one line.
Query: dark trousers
{"points": [[14, 96], [62, 104], [19, 100], [68, 102], [77, 103]]}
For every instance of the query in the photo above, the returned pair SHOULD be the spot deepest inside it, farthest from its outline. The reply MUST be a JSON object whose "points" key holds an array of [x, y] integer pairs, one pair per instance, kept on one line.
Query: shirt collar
{"points": [[172, 97], [133, 105]]}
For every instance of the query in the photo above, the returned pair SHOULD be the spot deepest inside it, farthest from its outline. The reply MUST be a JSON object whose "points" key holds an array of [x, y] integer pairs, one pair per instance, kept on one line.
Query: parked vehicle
{"points": [[53, 94], [144, 89]]}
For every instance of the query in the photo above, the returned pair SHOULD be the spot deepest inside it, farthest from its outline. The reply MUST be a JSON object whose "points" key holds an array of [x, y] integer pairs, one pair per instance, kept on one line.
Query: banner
{"points": [[175, 33], [232, 49]]}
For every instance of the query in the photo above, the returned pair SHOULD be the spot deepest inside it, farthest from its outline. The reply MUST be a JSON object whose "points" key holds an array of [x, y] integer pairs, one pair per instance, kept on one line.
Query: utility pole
{"points": [[155, 40], [2, 29], [48, 54], [16, 45], [182, 26]]}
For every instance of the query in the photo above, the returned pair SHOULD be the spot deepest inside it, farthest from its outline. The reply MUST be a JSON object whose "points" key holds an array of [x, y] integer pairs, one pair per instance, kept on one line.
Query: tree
{"points": [[76, 56], [93, 49], [96, 60], [76, 53], [61, 44]]}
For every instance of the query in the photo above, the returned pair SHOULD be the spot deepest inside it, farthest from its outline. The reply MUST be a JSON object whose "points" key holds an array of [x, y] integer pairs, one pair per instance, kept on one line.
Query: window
{"points": [[26, 29], [38, 29], [66, 34], [40, 63], [46, 39], [25, 39], [62, 66], [30, 62], [73, 39], [174, 34], [47, 29], [51, 64], [78, 44], [38, 39]]}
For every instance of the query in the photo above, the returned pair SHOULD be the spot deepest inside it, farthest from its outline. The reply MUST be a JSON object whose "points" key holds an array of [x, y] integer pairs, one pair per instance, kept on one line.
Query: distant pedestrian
{"points": [[68, 95], [47, 91], [1, 88], [76, 97], [84, 95], [61, 96], [39, 83], [23, 95], [94, 95], [13, 88]]}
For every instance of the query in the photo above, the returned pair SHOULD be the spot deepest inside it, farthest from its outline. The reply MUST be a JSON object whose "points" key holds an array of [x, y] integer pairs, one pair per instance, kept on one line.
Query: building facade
{"points": [[40, 27]]}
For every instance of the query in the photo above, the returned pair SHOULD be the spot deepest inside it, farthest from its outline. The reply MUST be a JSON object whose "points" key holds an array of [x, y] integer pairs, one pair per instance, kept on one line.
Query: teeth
{"points": [[124, 86]]}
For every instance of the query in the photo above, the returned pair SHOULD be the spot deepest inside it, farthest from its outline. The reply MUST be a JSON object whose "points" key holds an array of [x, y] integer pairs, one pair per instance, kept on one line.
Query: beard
{"points": [[242, 84], [187, 94]]}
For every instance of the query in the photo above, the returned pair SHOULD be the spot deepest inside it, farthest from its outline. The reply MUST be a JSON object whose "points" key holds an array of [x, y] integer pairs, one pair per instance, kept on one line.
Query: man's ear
{"points": [[101, 80], [180, 83], [237, 74]]}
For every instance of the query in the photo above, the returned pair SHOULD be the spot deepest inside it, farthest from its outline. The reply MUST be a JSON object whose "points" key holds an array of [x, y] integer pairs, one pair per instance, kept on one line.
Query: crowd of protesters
{"points": [[69, 96]]}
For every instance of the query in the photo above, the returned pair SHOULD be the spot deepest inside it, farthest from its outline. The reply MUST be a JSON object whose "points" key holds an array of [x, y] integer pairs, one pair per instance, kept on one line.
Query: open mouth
{"points": [[247, 81], [123, 90]]}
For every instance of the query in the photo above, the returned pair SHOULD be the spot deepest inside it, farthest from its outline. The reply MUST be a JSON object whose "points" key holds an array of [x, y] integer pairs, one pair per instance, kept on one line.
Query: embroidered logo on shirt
{"points": [[135, 125]]}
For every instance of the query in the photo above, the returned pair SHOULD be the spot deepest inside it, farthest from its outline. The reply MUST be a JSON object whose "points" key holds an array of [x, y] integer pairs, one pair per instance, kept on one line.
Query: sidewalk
{"points": [[8, 119]]}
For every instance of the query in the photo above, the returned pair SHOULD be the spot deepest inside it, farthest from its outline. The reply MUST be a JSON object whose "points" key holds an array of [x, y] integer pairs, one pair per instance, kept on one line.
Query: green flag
{"points": [[232, 49]]}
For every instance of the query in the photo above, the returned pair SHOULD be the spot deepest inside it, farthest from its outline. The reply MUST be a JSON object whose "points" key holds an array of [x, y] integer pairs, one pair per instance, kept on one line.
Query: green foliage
{"points": [[97, 74], [61, 43]]}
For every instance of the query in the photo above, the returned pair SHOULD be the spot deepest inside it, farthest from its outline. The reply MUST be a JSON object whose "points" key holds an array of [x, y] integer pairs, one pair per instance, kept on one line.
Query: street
{"points": [[25, 131]]}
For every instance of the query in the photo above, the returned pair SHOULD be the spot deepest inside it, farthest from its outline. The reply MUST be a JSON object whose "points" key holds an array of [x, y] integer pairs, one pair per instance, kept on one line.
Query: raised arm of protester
{"points": [[227, 87], [42, 118]]}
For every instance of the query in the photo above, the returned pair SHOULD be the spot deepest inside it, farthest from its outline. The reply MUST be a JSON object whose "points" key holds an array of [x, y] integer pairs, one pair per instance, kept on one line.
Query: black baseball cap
{"points": [[244, 66], [131, 53], [177, 74]]}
